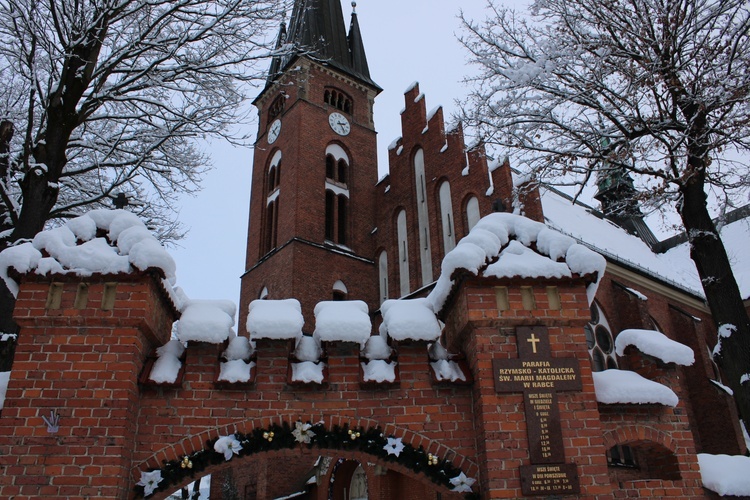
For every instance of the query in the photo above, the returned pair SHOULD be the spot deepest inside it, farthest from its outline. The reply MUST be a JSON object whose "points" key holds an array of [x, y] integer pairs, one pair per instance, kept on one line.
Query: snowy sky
{"points": [[405, 41]]}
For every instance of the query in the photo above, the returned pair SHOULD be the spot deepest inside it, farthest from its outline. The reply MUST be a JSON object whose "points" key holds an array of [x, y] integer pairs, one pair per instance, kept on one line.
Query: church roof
{"points": [[317, 30]]}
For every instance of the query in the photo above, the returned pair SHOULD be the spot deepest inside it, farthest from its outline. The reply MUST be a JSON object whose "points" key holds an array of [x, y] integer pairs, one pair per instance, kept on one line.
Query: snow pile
{"points": [[347, 321], [444, 368], [308, 349], [377, 347], [275, 319], [4, 378], [626, 387], [724, 332], [206, 321], [74, 248], [308, 372], [510, 239], [410, 319], [237, 365], [725, 474], [655, 344], [378, 370], [167, 367]]}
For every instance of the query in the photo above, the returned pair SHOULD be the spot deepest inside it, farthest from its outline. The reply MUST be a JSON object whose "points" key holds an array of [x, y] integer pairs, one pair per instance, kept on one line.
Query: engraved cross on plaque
{"points": [[540, 377]]}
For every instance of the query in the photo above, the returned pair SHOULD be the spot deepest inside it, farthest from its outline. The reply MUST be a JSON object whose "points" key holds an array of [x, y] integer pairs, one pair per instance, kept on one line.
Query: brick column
{"points": [[482, 323], [80, 350]]}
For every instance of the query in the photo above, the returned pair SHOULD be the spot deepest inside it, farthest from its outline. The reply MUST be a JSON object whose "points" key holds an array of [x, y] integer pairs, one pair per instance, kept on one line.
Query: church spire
{"points": [[317, 30]]}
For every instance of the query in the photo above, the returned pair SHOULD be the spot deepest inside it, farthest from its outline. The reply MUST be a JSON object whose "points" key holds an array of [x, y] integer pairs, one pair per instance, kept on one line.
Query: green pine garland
{"points": [[371, 441]]}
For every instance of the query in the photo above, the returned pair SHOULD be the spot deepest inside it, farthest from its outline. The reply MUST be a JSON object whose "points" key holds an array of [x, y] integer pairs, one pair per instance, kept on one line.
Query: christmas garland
{"points": [[279, 437]]}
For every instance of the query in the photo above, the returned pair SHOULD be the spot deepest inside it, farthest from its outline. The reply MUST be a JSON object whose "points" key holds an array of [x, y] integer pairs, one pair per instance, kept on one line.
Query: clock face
{"points": [[339, 123], [273, 131]]}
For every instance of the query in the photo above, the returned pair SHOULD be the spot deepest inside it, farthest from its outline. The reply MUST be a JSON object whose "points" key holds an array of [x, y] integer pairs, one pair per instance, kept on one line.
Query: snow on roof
{"points": [[275, 319], [673, 266], [74, 248], [626, 387], [410, 319], [509, 238], [655, 344], [206, 321], [725, 474], [347, 321]]}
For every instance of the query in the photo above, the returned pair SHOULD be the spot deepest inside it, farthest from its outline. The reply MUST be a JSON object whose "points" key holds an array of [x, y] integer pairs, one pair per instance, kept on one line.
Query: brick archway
{"points": [[197, 442], [637, 433]]}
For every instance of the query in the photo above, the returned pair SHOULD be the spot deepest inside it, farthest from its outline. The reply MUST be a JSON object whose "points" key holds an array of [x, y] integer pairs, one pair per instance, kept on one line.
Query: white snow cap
{"points": [[347, 321], [626, 387], [377, 347], [508, 237], [73, 248], [379, 371], [308, 372], [235, 371], [238, 348], [206, 321], [410, 319], [655, 344], [275, 319], [167, 366], [725, 474]]}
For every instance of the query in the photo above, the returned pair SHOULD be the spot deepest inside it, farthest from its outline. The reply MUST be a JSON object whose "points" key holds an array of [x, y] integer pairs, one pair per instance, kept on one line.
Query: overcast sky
{"points": [[406, 41]]}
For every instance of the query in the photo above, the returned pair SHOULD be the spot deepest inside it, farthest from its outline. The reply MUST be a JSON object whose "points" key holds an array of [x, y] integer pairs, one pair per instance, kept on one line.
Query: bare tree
{"points": [[100, 97], [655, 88]]}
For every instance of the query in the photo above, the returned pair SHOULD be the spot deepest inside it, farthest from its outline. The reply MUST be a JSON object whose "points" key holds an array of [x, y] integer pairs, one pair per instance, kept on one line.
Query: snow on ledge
{"points": [[411, 319], [725, 474], [73, 248], [347, 321], [378, 370], [656, 344], [626, 387], [206, 321], [275, 319]]}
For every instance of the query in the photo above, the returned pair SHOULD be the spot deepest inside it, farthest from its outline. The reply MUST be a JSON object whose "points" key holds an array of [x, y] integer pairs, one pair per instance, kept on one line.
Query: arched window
{"points": [[403, 253], [340, 291], [383, 275], [599, 340], [337, 195], [472, 213], [446, 216], [338, 99], [425, 251], [270, 223]]}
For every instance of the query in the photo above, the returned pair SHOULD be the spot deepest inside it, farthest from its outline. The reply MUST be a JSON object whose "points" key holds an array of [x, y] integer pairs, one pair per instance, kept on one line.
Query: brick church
{"points": [[442, 332]]}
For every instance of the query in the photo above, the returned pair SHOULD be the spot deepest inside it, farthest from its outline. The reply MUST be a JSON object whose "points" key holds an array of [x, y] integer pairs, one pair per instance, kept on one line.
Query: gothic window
{"points": [[599, 341], [383, 274], [358, 486], [446, 216], [425, 251], [338, 99], [330, 205], [343, 210], [472, 213], [276, 108], [403, 253]]}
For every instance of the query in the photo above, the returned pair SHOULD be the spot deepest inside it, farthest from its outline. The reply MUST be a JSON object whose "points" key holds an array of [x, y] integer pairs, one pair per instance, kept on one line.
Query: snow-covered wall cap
{"points": [[206, 321], [347, 321], [275, 319], [74, 248], [626, 387], [410, 319], [727, 475], [509, 239], [655, 344]]}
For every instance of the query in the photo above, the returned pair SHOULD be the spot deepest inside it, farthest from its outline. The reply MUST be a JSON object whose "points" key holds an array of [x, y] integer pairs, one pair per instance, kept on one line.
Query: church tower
{"points": [[314, 166]]}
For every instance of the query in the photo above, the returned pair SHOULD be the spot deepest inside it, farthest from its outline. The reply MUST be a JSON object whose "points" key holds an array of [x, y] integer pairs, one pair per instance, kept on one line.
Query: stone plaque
{"points": [[560, 479]]}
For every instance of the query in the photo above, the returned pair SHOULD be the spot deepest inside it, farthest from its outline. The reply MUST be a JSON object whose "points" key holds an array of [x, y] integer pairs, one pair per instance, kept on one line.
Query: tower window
{"points": [[343, 219], [276, 108], [330, 206], [270, 221], [338, 100]]}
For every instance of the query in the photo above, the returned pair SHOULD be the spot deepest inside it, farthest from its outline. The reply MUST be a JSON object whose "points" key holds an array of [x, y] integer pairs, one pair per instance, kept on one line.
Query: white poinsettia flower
{"points": [[150, 481], [302, 432], [227, 446], [394, 446], [462, 484]]}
